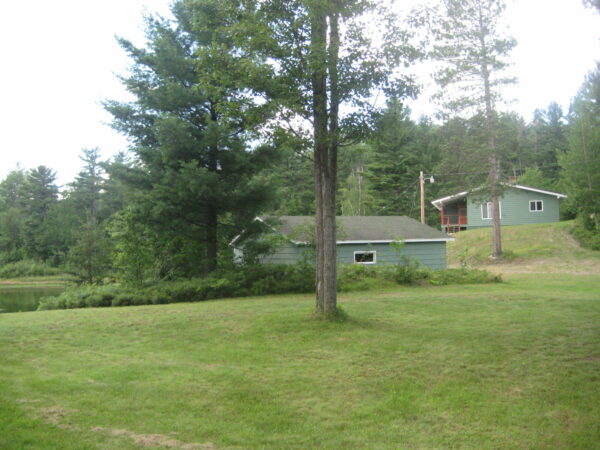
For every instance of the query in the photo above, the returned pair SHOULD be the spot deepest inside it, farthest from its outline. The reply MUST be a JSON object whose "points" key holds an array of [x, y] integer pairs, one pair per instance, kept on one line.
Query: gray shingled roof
{"points": [[361, 228]]}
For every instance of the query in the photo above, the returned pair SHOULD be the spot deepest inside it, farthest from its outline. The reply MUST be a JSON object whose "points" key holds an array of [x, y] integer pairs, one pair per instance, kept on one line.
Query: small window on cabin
{"points": [[536, 205], [486, 210], [365, 257]]}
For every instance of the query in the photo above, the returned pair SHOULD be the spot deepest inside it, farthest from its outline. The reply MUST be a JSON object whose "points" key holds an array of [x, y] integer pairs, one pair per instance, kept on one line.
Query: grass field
{"points": [[540, 248], [511, 365]]}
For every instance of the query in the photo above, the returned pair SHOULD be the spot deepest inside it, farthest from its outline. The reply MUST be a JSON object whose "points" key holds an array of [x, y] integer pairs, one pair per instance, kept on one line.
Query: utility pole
{"points": [[422, 185]]}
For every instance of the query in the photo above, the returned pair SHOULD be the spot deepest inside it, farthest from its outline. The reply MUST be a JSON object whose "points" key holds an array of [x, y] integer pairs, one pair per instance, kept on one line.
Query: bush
{"points": [[260, 280], [27, 268], [587, 236], [463, 276], [250, 280]]}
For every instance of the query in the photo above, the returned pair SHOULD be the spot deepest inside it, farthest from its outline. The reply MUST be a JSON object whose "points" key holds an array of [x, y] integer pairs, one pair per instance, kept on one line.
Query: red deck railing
{"points": [[454, 220]]}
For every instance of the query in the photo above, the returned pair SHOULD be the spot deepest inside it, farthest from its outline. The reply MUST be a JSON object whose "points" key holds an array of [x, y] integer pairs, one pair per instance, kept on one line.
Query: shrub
{"points": [[463, 276], [27, 268], [259, 280], [587, 236]]}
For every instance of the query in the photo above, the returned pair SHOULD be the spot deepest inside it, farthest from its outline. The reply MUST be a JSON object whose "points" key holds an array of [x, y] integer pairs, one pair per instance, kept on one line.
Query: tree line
{"points": [[245, 108]]}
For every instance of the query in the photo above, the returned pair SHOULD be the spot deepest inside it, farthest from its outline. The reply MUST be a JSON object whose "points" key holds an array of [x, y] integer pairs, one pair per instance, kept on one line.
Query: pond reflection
{"points": [[15, 298]]}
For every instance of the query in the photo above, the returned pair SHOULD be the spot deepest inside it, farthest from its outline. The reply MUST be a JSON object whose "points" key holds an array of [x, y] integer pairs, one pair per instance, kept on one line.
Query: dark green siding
{"points": [[514, 207], [430, 254]]}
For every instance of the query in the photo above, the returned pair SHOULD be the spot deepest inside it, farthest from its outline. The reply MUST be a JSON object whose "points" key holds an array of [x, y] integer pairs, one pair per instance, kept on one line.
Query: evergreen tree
{"points": [[354, 192], [548, 139], [88, 185], [40, 195], [581, 163], [395, 165], [473, 50], [12, 219], [191, 124]]}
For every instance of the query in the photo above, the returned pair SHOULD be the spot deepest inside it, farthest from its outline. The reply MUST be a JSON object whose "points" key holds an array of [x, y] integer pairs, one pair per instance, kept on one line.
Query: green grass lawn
{"points": [[550, 246], [511, 365]]}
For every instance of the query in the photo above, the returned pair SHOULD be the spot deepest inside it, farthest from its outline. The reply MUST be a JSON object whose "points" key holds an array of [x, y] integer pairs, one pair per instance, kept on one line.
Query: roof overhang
{"points": [[442, 201], [438, 203], [540, 191], [408, 241]]}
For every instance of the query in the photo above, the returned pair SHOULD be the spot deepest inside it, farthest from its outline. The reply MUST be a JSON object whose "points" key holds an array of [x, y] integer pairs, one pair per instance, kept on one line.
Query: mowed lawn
{"points": [[512, 365]]}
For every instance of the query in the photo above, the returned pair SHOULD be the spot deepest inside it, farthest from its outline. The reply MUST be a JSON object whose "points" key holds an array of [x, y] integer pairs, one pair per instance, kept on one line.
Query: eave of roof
{"points": [[441, 201], [384, 241]]}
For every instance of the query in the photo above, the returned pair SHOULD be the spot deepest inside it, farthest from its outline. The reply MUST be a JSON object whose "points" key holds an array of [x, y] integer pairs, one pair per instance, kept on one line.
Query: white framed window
{"points": [[365, 257], [536, 205], [487, 210]]}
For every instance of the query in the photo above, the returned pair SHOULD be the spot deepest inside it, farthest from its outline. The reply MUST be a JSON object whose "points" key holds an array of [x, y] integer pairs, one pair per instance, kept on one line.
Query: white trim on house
{"points": [[540, 191], [535, 206], [489, 207], [440, 201], [389, 241], [366, 252]]}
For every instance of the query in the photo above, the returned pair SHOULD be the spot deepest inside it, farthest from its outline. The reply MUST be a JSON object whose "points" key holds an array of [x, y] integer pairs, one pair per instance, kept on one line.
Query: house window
{"points": [[536, 205], [365, 257], [487, 210]]}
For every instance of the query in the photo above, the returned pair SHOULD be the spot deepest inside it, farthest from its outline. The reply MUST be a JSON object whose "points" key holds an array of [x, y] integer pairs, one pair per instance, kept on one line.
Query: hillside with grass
{"points": [[540, 248]]}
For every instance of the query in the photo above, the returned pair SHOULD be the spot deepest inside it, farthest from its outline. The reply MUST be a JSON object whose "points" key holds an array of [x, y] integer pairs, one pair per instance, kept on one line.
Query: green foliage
{"points": [[473, 50], [27, 268], [581, 163], [89, 258], [463, 276], [534, 177], [395, 163], [246, 281], [192, 124], [134, 248], [357, 277], [587, 236]]}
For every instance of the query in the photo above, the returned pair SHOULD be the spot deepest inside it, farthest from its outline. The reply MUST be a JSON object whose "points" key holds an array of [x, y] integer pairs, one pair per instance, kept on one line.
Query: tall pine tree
{"points": [[191, 125]]}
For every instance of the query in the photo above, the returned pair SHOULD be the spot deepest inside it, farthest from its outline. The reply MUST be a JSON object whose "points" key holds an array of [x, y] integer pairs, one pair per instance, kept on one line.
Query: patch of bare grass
{"points": [[154, 440]]}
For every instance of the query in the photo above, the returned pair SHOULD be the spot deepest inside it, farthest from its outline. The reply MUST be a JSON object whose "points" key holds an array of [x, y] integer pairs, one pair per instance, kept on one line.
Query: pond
{"points": [[15, 298]]}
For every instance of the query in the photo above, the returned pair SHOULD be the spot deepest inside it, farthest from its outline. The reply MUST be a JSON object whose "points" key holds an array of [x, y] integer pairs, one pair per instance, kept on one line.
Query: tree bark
{"points": [[490, 119], [319, 88], [497, 237], [330, 179]]}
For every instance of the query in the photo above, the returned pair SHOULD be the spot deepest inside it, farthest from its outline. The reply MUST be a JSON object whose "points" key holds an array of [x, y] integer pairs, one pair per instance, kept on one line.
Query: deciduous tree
{"points": [[323, 57]]}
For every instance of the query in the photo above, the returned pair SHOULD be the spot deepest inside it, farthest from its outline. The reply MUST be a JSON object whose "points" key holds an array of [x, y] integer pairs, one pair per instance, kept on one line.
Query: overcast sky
{"points": [[60, 60]]}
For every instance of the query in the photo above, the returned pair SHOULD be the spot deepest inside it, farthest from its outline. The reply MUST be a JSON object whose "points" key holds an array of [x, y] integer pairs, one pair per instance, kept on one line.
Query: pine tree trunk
{"points": [[490, 118], [496, 233]]}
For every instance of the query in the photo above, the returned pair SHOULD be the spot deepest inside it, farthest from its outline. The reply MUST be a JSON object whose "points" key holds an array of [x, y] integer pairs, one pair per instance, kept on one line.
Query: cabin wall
{"points": [[288, 253], [430, 254], [514, 209]]}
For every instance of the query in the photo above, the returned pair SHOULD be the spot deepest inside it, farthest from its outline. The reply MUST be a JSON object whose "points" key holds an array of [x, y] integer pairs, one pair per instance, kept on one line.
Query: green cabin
{"points": [[361, 240], [519, 205]]}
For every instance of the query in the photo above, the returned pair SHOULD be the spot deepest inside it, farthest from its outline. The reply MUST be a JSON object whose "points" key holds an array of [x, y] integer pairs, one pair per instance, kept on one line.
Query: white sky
{"points": [[60, 60]]}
